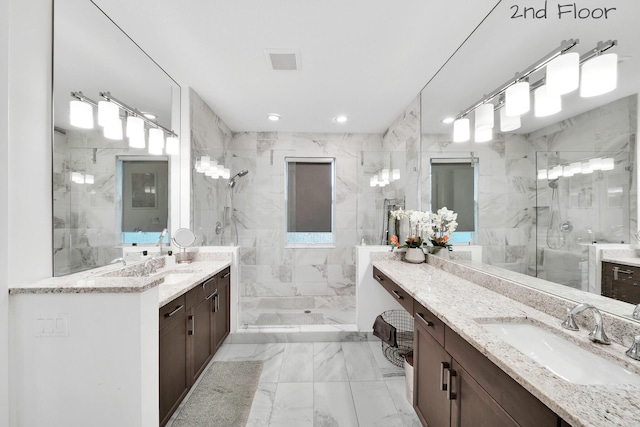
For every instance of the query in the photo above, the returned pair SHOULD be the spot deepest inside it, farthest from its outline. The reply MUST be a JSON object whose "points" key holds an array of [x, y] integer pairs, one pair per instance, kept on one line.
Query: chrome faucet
{"points": [[597, 334], [634, 350], [114, 261], [150, 266]]}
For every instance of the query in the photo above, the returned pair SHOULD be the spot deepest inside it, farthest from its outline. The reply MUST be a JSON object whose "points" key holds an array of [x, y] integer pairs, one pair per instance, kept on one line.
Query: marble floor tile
{"points": [[328, 362], [262, 405], [297, 363], [360, 362], [387, 369], [272, 357], [293, 405], [333, 405], [374, 405], [398, 391]]}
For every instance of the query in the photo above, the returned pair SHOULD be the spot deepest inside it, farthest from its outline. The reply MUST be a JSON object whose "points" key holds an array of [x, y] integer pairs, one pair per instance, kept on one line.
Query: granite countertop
{"points": [[119, 279], [464, 305]]}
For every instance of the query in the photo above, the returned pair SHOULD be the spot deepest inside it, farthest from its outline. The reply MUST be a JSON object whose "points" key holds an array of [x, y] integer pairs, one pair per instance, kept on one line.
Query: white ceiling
{"points": [[366, 59]]}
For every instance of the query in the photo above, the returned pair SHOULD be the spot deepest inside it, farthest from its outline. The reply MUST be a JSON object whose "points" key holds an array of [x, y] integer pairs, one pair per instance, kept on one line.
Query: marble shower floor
{"points": [[323, 384], [338, 309]]}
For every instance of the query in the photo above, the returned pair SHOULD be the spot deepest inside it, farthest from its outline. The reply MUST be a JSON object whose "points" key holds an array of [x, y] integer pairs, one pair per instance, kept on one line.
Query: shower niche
{"points": [[581, 198]]}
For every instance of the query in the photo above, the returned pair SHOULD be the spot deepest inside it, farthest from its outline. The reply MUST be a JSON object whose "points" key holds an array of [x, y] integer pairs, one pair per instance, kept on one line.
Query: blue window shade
{"points": [[144, 238]]}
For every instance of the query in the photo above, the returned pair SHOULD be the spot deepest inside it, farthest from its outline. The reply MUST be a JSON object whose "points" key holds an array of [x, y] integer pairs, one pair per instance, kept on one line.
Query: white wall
{"points": [[4, 212], [25, 189]]}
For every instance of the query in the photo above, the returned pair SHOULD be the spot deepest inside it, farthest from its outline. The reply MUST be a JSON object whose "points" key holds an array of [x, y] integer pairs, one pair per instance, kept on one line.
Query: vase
{"points": [[414, 255], [439, 251]]}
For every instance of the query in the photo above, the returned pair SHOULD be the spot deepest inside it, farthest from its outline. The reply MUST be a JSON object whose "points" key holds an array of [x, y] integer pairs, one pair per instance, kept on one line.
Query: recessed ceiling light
{"points": [[340, 119], [448, 120], [273, 117], [150, 116]]}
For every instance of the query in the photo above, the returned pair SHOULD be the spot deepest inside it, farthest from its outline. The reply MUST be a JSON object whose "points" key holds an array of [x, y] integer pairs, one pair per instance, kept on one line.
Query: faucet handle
{"points": [[634, 350], [569, 322], [598, 334], [636, 312]]}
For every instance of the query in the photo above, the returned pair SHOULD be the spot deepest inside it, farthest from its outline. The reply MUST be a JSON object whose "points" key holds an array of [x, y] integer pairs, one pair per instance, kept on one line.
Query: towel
{"points": [[385, 331]]}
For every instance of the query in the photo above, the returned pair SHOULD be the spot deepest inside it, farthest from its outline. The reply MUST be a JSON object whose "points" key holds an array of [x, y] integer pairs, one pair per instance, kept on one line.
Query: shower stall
{"points": [[581, 198]]}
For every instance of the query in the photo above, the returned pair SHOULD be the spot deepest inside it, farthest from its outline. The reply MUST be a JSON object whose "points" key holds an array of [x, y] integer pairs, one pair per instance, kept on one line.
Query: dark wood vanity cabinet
{"points": [[621, 282], [192, 328], [455, 385]]}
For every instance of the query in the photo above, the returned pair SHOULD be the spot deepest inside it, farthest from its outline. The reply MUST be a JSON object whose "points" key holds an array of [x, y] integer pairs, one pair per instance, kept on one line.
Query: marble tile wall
{"points": [[281, 279]]}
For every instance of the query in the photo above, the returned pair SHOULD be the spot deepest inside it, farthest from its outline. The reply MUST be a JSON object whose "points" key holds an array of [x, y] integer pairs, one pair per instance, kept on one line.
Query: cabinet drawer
{"points": [[171, 311], [194, 296], [429, 321], [209, 288], [396, 291]]}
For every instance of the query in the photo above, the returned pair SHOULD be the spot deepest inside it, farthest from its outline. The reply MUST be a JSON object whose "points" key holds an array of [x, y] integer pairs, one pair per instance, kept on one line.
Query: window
{"points": [[453, 184], [310, 201]]}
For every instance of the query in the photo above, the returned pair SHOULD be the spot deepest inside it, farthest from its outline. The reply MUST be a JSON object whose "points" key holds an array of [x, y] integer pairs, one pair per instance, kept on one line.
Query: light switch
{"points": [[52, 325]]}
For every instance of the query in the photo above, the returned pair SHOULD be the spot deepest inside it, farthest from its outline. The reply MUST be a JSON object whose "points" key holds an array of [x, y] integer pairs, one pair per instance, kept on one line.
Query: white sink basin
{"points": [[564, 358], [173, 278]]}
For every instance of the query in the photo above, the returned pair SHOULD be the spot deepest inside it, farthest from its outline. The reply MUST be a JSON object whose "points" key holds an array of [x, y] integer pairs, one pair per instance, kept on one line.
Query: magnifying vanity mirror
{"points": [[530, 224], [96, 208], [183, 238]]}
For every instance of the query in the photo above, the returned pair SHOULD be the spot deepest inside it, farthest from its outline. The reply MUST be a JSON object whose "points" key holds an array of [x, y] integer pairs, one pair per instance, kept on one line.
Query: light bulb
{"points": [[508, 123], [135, 132], [599, 75], [546, 104], [108, 112], [461, 131], [563, 74], [484, 117], [173, 145], [156, 141], [517, 99], [113, 130], [81, 114]]}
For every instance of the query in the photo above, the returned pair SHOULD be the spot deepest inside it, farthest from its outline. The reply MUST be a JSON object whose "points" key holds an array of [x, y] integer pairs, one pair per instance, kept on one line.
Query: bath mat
{"points": [[290, 319], [223, 396]]}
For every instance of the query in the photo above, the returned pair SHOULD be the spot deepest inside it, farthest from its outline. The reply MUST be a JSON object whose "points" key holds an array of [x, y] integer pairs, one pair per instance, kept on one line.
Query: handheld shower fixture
{"points": [[232, 180]]}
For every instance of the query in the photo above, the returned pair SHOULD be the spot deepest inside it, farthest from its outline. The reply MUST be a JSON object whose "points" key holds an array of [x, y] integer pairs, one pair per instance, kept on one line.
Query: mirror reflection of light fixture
{"points": [[585, 168], [156, 141], [517, 99], [507, 123], [483, 135], [211, 168], [395, 174], [545, 103], [107, 113], [484, 117], [173, 145], [608, 164], [563, 74], [599, 75], [113, 130], [81, 114], [461, 131]]}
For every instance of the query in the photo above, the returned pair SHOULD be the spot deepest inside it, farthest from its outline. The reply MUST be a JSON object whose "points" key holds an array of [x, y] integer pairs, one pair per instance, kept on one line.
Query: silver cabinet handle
{"points": [[175, 310], [428, 322], [192, 319], [397, 294], [226, 275], [380, 278], [450, 395], [443, 366], [617, 270], [212, 295], [216, 303]]}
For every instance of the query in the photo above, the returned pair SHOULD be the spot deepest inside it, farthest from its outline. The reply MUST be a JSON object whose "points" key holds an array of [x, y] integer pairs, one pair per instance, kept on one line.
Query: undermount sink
{"points": [[562, 357], [172, 278]]}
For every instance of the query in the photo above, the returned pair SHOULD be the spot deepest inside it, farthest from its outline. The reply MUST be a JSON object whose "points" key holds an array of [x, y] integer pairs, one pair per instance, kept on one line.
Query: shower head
{"points": [[553, 183], [232, 180]]}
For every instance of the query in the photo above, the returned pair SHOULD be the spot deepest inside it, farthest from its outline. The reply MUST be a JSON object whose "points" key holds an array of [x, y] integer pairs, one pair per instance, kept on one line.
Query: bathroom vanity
{"points": [[621, 281], [112, 335], [465, 373]]}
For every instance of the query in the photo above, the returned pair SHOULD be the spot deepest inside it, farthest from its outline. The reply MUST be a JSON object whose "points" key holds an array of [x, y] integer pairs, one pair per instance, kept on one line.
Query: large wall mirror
{"points": [[104, 190], [530, 224]]}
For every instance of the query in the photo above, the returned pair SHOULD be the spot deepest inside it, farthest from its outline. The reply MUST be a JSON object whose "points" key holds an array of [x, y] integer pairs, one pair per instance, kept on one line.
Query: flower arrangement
{"points": [[440, 227]]}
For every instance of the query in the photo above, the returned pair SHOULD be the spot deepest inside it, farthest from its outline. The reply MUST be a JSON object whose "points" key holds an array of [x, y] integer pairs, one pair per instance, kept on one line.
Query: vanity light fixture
{"points": [[461, 131], [595, 164], [113, 130], [81, 111], [448, 120], [545, 103], [483, 135], [273, 117], [599, 75], [340, 119], [156, 141], [135, 132], [507, 123], [211, 168], [563, 74], [567, 171], [173, 145], [395, 174], [107, 113], [517, 99], [484, 117], [89, 179], [608, 164]]}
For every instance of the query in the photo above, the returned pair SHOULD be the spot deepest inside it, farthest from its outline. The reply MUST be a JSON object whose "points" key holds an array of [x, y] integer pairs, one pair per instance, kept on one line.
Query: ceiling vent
{"points": [[279, 59]]}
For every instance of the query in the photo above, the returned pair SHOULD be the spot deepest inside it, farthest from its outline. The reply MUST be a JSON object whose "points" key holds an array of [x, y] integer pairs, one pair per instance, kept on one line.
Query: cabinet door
{"points": [[430, 374], [471, 405], [201, 337], [221, 310], [173, 375]]}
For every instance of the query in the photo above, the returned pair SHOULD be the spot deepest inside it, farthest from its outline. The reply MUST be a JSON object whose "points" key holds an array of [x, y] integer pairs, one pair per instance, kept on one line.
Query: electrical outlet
{"points": [[52, 325]]}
